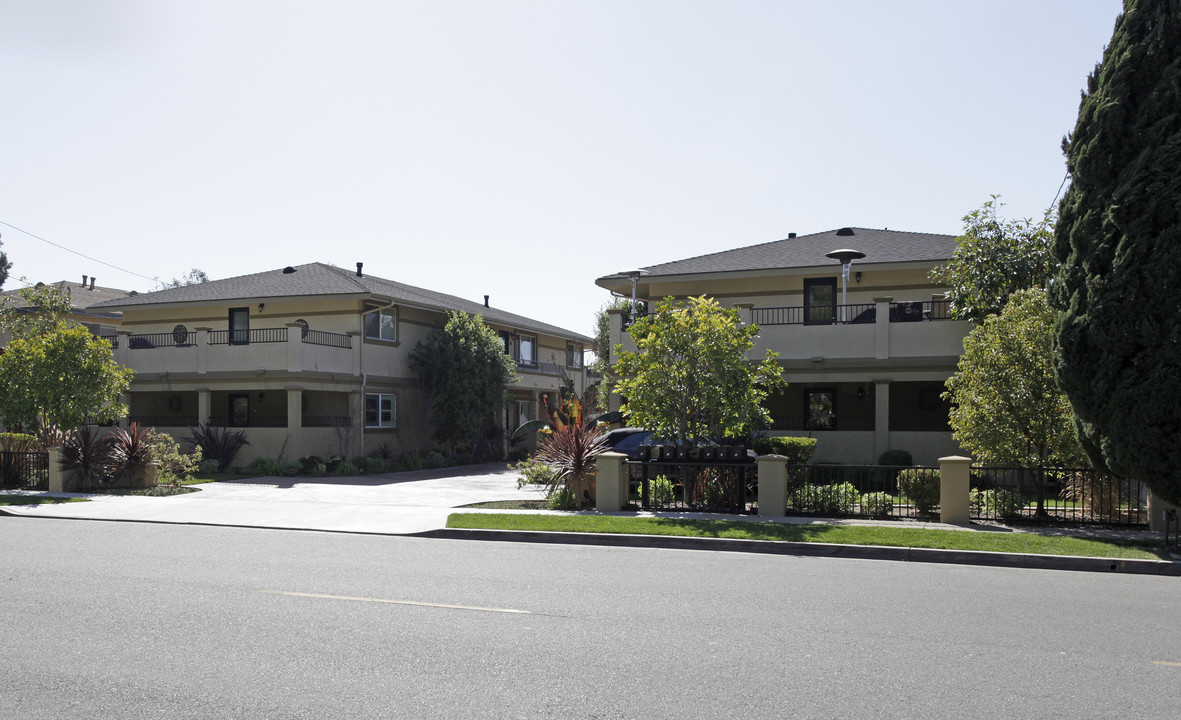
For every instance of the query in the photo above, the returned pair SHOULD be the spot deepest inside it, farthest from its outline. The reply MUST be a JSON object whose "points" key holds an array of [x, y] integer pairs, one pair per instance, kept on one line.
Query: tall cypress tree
{"points": [[1118, 338]]}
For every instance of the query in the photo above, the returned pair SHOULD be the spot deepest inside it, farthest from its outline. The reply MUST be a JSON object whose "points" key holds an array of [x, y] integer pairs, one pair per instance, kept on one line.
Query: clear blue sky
{"points": [[516, 149]]}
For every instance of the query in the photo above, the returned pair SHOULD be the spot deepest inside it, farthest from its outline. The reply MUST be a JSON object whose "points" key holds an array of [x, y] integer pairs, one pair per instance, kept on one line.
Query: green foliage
{"points": [[87, 455], [371, 465], [921, 487], [690, 377], [60, 378], [1097, 495], [831, 499], [42, 309], [208, 465], [995, 258], [173, 467], [5, 266], [662, 490], [797, 450], [218, 445], [196, 276], [896, 458], [130, 449], [408, 461], [996, 503], [347, 469], [601, 365], [1119, 241], [265, 467], [562, 498], [19, 442], [532, 471], [878, 504], [464, 369], [1006, 407]]}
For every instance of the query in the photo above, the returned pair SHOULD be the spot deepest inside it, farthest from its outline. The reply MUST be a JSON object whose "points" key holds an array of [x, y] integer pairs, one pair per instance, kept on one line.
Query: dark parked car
{"points": [[629, 439]]}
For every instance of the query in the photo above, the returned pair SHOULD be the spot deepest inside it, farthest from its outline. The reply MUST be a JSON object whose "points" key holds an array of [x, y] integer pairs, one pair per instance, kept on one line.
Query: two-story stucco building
{"points": [[312, 359], [865, 373]]}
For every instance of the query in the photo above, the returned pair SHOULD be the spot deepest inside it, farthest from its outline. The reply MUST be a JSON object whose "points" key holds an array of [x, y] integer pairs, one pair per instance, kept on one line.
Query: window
{"points": [[820, 301], [821, 410], [526, 350], [239, 410], [381, 410], [524, 411], [381, 323], [240, 326], [573, 355]]}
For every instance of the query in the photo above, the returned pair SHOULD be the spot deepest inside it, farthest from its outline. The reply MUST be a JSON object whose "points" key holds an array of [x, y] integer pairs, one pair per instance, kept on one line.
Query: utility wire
{"points": [[63, 247]]}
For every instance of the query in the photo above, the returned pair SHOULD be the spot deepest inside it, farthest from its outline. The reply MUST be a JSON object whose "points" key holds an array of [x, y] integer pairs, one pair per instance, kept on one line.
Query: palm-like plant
{"points": [[218, 443], [88, 455], [129, 449]]}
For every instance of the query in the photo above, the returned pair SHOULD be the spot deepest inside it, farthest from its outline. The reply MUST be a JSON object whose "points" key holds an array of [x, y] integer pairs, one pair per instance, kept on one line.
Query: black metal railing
{"points": [[630, 319], [871, 491], [834, 423], [163, 420], [916, 310], [545, 368], [711, 479], [252, 421], [28, 470], [145, 341], [112, 339], [322, 421], [1056, 495], [857, 314], [329, 339], [246, 337]]}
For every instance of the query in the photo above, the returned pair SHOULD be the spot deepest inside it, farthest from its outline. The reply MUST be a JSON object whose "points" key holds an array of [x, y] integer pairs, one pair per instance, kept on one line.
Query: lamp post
{"points": [[634, 276], [846, 257]]}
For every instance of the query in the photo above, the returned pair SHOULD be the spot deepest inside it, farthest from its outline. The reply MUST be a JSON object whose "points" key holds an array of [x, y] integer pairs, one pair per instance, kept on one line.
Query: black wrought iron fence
{"points": [[254, 421], [24, 470], [874, 491], [320, 337], [710, 479], [1056, 495]]}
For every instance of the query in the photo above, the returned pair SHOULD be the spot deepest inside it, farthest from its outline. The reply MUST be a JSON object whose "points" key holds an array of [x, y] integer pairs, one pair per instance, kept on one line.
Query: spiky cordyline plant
{"points": [[217, 443], [88, 455], [129, 449], [571, 450]]}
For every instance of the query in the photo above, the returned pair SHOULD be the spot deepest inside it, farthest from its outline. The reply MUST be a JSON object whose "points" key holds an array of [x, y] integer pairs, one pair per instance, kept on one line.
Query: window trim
{"points": [[530, 361], [574, 355], [379, 311], [240, 336], [393, 423], [829, 317]]}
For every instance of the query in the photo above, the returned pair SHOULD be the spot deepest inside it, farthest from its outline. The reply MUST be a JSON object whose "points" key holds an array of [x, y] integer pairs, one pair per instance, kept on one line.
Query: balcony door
{"points": [[820, 301], [239, 410], [240, 326]]}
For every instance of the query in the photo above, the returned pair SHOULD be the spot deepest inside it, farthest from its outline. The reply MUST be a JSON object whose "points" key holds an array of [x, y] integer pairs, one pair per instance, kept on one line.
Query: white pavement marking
{"points": [[397, 602]]}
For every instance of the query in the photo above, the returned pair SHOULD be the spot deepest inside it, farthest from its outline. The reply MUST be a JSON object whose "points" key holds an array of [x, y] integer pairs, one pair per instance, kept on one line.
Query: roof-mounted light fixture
{"points": [[633, 275], [845, 257]]}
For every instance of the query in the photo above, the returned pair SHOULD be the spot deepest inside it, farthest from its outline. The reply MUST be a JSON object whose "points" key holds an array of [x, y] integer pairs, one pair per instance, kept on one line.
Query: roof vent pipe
{"points": [[91, 282], [84, 280], [485, 301], [791, 236], [359, 266]]}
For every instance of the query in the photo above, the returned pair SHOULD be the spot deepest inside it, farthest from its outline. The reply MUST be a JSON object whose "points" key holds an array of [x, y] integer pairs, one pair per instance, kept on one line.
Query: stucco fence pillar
{"points": [[611, 481], [1157, 518], [772, 485], [954, 479]]}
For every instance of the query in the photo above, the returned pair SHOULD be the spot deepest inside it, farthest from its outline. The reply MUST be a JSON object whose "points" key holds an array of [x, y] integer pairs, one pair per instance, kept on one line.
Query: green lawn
{"points": [[36, 499], [840, 534]]}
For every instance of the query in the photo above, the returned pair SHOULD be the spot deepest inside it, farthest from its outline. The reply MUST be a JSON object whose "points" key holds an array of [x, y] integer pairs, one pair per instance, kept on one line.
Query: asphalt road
{"points": [[122, 620]]}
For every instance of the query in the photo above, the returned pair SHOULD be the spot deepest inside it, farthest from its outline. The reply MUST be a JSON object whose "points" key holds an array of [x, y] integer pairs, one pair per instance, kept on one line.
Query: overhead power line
{"points": [[63, 247]]}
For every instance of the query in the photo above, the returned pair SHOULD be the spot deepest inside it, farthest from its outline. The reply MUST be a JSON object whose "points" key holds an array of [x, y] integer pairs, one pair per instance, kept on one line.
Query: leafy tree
{"points": [[465, 371], [1119, 241], [42, 309], [995, 258], [691, 377], [5, 266], [196, 276], [59, 378], [1006, 407], [601, 365]]}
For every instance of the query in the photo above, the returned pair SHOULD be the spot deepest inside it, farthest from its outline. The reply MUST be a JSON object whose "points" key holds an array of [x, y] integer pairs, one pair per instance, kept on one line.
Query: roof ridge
{"points": [[346, 275]]}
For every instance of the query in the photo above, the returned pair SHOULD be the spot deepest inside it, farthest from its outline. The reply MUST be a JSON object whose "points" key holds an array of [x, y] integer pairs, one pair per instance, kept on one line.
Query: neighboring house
{"points": [[312, 359], [82, 296], [864, 376]]}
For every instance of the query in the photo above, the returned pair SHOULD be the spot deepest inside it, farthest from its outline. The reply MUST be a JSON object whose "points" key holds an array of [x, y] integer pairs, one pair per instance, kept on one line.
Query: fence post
{"points": [[56, 480], [772, 486], [954, 476], [610, 481]]}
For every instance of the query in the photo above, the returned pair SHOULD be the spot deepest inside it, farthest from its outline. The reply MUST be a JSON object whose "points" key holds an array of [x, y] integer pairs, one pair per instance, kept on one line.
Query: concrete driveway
{"points": [[397, 503]]}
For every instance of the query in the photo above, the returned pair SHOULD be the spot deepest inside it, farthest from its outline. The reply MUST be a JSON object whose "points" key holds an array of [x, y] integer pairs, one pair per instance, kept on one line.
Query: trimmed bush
{"points": [[921, 487], [825, 499], [661, 489], [877, 504], [371, 465], [19, 442], [265, 466], [896, 458], [347, 469], [999, 503], [797, 450]]}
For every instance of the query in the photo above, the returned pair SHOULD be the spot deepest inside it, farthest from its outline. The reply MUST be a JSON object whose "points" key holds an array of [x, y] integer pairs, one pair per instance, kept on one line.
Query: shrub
{"points": [[408, 461], [208, 465], [173, 467], [371, 465], [921, 487], [797, 450], [129, 449], [312, 465], [265, 466], [562, 498], [877, 504], [997, 503], [661, 489], [87, 455], [533, 472], [1097, 495], [19, 442], [827, 499], [217, 443], [896, 458], [347, 469], [434, 459]]}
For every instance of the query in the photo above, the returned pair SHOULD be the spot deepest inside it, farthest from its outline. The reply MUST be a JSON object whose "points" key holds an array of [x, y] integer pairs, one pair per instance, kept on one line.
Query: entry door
{"points": [[239, 326], [820, 301], [239, 410]]}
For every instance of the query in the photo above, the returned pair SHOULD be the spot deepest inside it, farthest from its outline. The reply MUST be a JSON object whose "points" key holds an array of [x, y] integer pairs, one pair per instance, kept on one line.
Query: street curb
{"points": [[863, 552]]}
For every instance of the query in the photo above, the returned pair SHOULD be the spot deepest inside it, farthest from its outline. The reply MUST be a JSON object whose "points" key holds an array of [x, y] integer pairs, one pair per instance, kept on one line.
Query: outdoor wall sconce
{"points": [[857, 277], [261, 306], [860, 388]]}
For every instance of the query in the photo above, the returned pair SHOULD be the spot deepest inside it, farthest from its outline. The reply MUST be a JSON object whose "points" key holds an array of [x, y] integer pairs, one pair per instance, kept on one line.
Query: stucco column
{"points": [[954, 476], [881, 325], [747, 312], [881, 417], [203, 405], [611, 481], [123, 340], [295, 416], [294, 346], [356, 412], [772, 485], [203, 349], [615, 320], [56, 474], [356, 342], [1156, 514]]}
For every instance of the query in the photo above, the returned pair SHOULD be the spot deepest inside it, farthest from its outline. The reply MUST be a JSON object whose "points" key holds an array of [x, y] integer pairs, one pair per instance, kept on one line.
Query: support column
{"points": [[203, 349], [881, 326], [295, 417], [611, 481], [615, 319], [123, 340], [203, 405], [357, 343], [294, 347], [772, 485], [356, 412], [881, 417], [747, 312], [954, 477], [57, 479]]}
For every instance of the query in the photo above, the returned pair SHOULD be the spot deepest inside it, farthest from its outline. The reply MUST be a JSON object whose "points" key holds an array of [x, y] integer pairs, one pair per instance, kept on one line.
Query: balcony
{"points": [[292, 348]]}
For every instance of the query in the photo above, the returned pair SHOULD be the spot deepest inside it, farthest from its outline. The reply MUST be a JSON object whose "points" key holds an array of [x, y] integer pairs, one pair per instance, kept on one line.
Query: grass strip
{"points": [[1010, 542], [37, 499]]}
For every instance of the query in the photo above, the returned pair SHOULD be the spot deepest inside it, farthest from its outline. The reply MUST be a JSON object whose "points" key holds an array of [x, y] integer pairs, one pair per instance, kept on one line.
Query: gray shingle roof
{"points": [[879, 246], [321, 279], [81, 296]]}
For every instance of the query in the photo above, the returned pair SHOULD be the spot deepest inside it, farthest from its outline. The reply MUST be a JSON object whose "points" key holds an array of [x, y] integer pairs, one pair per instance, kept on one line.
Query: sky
{"points": [[515, 149]]}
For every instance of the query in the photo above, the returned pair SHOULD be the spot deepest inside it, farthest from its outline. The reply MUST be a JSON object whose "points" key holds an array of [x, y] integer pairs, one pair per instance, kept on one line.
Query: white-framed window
{"points": [[381, 411], [381, 324], [524, 411], [526, 350], [573, 355]]}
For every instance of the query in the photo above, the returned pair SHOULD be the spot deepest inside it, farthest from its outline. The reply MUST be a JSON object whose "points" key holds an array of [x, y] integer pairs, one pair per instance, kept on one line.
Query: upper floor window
{"points": [[573, 355], [526, 349], [381, 323]]}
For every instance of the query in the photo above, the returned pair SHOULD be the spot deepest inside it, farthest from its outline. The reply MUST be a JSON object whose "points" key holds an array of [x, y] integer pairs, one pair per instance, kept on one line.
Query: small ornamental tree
{"points": [[60, 378], [1006, 407], [41, 310], [5, 266], [691, 376], [995, 258], [1118, 341], [465, 371]]}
